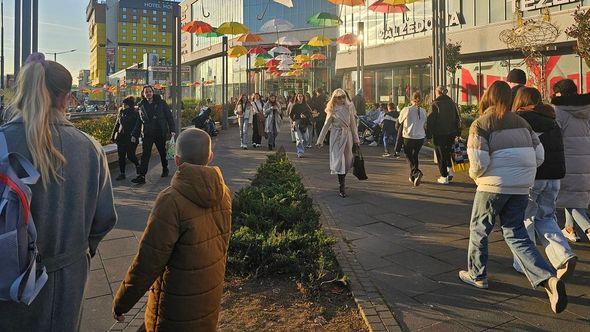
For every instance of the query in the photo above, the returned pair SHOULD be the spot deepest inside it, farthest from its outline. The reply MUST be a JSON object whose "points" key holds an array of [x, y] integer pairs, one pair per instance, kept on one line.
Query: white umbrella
{"points": [[277, 25], [283, 57], [288, 3], [280, 50], [284, 67], [288, 41], [287, 62]]}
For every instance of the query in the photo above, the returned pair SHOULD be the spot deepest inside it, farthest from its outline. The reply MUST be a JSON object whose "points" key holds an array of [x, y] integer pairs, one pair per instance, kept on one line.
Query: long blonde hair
{"points": [[42, 87], [338, 93]]}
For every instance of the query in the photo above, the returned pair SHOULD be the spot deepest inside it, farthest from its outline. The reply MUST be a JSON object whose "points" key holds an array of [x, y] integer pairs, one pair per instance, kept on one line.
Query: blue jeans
{"points": [[300, 139], [511, 210], [387, 136], [540, 218], [244, 125], [578, 216]]}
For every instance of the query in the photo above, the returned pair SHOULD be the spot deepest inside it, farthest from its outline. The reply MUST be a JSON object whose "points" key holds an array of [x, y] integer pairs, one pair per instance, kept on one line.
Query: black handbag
{"points": [[358, 168]]}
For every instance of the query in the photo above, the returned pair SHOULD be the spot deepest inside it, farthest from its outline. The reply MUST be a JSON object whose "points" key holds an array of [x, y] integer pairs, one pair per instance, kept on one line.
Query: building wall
{"points": [[96, 18]]}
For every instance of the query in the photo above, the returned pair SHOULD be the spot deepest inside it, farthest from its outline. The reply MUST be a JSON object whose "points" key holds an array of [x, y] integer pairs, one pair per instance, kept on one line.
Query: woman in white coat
{"points": [[344, 137], [273, 119]]}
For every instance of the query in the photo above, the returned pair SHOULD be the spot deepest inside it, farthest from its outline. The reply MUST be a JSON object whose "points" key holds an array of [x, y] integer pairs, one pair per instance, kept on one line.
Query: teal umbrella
{"points": [[324, 20], [307, 48], [211, 34]]}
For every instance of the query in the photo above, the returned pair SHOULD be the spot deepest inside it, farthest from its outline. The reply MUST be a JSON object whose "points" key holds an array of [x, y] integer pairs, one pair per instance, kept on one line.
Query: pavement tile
{"points": [[118, 233], [396, 278], [97, 314], [116, 268], [383, 230], [118, 247], [446, 326], [420, 263], [97, 284]]}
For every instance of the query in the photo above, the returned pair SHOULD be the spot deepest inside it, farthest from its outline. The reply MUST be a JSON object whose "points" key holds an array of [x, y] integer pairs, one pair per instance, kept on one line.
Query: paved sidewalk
{"points": [[410, 243]]}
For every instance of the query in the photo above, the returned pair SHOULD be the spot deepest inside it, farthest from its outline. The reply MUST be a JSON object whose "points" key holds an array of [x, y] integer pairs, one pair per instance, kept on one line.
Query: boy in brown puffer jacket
{"points": [[182, 254]]}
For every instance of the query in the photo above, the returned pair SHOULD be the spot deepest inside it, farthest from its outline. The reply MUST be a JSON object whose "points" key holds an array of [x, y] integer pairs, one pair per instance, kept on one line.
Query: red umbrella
{"points": [[347, 39], [198, 27], [273, 63], [258, 50], [382, 7], [306, 65]]}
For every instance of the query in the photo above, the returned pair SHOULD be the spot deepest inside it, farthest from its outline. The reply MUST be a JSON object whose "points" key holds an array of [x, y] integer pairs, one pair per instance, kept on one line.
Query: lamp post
{"points": [[360, 56], [55, 54]]}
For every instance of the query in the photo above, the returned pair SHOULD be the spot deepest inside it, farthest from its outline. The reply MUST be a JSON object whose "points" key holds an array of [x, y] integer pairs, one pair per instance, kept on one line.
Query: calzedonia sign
{"points": [[409, 27], [528, 5]]}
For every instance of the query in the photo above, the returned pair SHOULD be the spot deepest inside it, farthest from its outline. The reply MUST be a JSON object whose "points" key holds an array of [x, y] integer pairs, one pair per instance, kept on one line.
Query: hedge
{"points": [[276, 229]]}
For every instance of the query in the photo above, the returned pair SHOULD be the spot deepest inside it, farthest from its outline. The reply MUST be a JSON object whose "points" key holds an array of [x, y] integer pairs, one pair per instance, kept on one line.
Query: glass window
{"points": [[467, 9], [154, 33], [163, 40], [144, 50], [124, 56], [163, 34], [155, 12], [124, 49], [124, 37], [134, 50], [134, 24], [124, 16], [145, 26], [144, 39], [144, 12], [134, 38], [481, 12], [124, 30], [134, 11], [124, 9], [134, 31], [585, 77], [497, 10], [135, 17]]}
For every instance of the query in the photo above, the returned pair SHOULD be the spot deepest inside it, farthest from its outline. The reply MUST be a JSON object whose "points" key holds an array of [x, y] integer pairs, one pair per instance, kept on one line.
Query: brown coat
{"points": [[182, 254]]}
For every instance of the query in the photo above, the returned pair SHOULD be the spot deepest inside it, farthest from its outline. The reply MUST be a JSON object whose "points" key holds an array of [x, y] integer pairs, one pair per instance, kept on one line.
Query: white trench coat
{"points": [[343, 134]]}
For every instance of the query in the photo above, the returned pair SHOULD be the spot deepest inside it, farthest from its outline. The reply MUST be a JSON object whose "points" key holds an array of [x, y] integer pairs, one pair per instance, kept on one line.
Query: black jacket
{"points": [[443, 118], [155, 119], [542, 121], [125, 125]]}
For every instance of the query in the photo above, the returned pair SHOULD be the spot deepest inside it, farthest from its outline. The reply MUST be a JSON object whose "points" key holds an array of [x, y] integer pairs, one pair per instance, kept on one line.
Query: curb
{"points": [[373, 308]]}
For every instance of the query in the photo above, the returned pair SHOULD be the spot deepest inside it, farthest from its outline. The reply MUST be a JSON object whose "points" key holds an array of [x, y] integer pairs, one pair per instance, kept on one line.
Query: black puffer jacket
{"points": [[443, 118], [126, 121], [155, 118], [542, 120]]}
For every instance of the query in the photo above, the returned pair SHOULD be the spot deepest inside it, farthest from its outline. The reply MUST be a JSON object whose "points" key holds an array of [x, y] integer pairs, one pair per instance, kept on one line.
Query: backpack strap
{"points": [[32, 175], [3, 145]]}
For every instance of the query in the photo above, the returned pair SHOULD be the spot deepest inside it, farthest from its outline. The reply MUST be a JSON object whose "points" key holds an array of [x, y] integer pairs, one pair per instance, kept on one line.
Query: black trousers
{"points": [[126, 150], [443, 147], [148, 143], [412, 149], [256, 138]]}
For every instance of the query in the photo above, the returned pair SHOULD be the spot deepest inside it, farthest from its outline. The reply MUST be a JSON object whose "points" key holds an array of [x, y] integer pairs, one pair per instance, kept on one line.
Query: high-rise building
{"points": [[96, 18]]}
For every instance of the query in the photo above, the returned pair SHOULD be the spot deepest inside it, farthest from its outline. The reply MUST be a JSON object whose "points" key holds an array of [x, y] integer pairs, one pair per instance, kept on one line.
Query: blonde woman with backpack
{"points": [[72, 203]]}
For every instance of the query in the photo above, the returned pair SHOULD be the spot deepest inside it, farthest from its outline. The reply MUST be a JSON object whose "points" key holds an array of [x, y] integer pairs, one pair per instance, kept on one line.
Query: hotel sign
{"points": [[409, 27], [147, 4], [528, 5]]}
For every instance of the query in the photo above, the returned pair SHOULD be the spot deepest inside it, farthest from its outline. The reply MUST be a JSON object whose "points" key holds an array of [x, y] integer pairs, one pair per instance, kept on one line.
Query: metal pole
{"points": [[362, 33], [176, 67], [35, 13], [17, 26], [434, 45], [2, 47], [26, 30], [443, 40], [223, 72], [358, 60], [226, 82]]}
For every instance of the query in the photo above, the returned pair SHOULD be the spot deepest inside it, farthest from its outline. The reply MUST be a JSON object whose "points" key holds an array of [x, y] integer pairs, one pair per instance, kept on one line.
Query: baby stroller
{"points": [[367, 131], [205, 122]]}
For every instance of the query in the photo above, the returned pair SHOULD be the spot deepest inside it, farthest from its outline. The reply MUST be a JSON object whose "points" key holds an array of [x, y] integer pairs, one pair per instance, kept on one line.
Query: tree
{"points": [[580, 30], [453, 52]]}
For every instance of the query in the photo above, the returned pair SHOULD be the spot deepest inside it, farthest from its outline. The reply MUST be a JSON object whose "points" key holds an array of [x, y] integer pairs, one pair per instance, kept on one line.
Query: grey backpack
{"points": [[21, 279]]}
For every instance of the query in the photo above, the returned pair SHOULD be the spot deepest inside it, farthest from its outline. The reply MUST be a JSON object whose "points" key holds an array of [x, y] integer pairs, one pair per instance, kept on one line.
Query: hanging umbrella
{"points": [[250, 38], [273, 63], [283, 67], [385, 8], [259, 63], [351, 3], [237, 51], [306, 48], [287, 3], [264, 56], [232, 28], [347, 39], [277, 25], [296, 66], [302, 58], [324, 20], [197, 27], [288, 41], [398, 2], [211, 34], [320, 41], [319, 57], [306, 65], [257, 50], [283, 57], [287, 62], [280, 50]]}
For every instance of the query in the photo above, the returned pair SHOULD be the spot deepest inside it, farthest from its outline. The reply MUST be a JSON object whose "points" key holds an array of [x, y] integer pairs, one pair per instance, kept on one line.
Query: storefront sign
{"points": [[416, 26], [528, 5], [147, 4]]}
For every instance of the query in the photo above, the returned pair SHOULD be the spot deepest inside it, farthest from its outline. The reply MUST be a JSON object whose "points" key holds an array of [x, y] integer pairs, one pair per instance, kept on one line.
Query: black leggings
{"points": [[443, 148], [256, 138], [412, 149], [146, 155], [126, 150]]}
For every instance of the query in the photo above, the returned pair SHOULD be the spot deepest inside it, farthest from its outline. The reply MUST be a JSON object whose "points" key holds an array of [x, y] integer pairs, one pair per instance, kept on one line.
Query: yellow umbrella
{"points": [[302, 58], [397, 2], [296, 66], [348, 2], [319, 41], [232, 28], [237, 51], [259, 62]]}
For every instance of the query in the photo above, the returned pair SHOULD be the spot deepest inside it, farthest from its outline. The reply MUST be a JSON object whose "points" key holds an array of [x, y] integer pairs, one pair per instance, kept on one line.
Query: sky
{"points": [[62, 26]]}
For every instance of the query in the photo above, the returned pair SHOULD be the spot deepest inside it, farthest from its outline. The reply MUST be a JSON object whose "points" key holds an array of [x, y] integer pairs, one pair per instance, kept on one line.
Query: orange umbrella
{"points": [[382, 7], [319, 57], [347, 39], [398, 2], [258, 50], [250, 38], [348, 2], [197, 27], [306, 65]]}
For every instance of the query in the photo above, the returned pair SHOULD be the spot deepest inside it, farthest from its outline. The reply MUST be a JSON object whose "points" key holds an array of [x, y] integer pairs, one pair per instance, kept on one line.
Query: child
{"points": [[182, 254], [389, 131]]}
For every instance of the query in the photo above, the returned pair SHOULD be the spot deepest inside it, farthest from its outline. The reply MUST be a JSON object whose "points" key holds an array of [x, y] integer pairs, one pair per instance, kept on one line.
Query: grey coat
{"points": [[71, 218], [573, 116]]}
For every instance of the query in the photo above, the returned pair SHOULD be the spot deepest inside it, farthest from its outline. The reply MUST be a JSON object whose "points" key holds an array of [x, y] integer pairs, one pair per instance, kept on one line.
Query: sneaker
{"points": [[308, 147], [451, 174], [386, 154], [374, 144], [572, 237], [418, 180], [411, 179], [567, 269], [396, 155], [466, 278], [557, 297], [120, 177], [443, 180], [165, 172], [140, 179], [299, 155]]}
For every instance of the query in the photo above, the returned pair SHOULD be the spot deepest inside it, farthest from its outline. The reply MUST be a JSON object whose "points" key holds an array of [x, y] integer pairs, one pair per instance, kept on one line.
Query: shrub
{"points": [[99, 128], [276, 229]]}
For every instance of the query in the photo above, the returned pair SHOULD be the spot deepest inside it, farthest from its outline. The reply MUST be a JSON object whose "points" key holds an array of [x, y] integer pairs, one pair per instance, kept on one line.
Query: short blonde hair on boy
{"points": [[193, 146]]}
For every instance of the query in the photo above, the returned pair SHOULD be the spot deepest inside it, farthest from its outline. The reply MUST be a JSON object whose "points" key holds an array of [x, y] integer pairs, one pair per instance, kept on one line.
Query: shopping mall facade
{"points": [[398, 48]]}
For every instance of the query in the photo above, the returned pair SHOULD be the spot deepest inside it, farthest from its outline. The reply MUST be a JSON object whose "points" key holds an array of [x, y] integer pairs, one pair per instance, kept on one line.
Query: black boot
{"points": [[342, 190], [140, 179], [165, 172]]}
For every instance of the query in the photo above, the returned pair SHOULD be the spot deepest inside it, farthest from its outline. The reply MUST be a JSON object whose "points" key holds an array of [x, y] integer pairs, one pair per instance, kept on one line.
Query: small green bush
{"points": [[276, 229], [99, 128]]}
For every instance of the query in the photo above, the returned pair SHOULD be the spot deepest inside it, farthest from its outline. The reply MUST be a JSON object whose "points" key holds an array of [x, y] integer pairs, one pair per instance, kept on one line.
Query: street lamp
{"points": [[55, 54]]}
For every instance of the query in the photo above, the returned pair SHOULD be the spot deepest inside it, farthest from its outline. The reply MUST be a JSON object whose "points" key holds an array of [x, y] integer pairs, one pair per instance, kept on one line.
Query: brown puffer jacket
{"points": [[182, 254]]}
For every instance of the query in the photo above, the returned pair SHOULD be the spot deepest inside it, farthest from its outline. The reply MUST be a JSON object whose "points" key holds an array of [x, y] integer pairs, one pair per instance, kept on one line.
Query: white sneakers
{"points": [[374, 143], [572, 237], [443, 180], [466, 278], [386, 154], [556, 292], [451, 174]]}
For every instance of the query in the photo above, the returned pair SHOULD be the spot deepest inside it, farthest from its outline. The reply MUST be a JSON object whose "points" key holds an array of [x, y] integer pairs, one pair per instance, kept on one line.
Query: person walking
{"points": [[318, 106], [443, 125], [573, 115], [389, 131], [257, 107], [540, 211], [516, 79], [126, 120], [344, 137], [72, 203], [412, 120], [300, 116], [156, 125], [504, 153], [243, 111], [272, 113]]}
